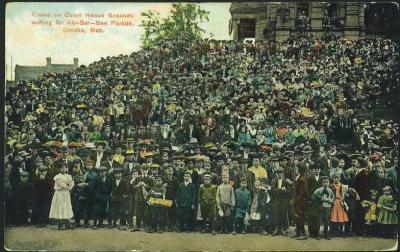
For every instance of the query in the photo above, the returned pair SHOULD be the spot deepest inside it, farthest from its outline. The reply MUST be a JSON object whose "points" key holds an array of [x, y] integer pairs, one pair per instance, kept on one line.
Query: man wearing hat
{"points": [[117, 199], [258, 170], [281, 196], [101, 189], [207, 201], [245, 172], [313, 183], [171, 186], [42, 186], [98, 156], [130, 192], [23, 195], [109, 161], [300, 201]]}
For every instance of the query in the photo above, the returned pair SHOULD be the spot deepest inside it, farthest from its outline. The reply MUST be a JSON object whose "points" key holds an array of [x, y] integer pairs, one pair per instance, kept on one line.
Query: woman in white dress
{"points": [[61, 208]]}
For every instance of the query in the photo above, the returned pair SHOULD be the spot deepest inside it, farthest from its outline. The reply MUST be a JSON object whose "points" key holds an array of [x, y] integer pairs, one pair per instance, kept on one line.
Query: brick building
{"points": [[28, 72], [351, 20]]}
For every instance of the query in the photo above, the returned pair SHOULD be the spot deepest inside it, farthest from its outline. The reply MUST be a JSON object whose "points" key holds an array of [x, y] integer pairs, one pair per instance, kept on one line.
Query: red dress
{"points": [[338, 213]]}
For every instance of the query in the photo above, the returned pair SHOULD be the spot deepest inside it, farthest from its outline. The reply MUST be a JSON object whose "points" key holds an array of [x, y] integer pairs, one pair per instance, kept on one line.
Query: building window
{"points": [[303, 8], [247, 28], [331, 10]]}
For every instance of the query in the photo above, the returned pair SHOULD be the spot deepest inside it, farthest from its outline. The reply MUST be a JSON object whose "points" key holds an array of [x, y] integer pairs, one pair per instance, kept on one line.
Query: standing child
{"points": [[157, 211], [325, 196], [338, 214], [225, 204], [387, 217], [117, 198], [61, 208], [352, 200], [260, 208], [371, 213], [207, 201], [242, 206]]}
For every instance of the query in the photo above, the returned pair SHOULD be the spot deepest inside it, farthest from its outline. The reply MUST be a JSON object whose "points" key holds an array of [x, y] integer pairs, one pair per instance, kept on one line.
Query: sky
{"points": [[29, 44]]}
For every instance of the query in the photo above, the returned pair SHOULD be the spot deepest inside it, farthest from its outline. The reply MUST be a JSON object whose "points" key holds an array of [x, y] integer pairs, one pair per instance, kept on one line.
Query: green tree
{"points": [[183, 24]]}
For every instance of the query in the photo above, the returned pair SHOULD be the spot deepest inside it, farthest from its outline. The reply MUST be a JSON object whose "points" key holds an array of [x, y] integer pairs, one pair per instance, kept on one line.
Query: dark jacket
{"points": [[186, 195], [118, 192]]}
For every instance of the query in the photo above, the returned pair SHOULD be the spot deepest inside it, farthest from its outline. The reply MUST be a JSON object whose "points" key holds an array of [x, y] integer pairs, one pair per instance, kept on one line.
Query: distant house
{"points": [[28, 72]]}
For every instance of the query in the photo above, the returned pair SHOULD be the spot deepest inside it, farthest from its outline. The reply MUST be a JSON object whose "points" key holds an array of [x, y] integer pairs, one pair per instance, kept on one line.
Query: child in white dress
{"points": [[61, 208]]}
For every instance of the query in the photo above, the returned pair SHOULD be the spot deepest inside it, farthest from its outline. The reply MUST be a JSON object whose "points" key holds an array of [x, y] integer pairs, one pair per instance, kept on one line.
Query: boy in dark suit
{"points": [[185, 202], [282, 192], [101, 189], [42, 192], [118, 195]]}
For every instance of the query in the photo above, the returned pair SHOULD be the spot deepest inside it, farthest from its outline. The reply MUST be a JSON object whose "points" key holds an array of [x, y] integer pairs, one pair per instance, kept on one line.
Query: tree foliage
{"points": [[182, 24]]}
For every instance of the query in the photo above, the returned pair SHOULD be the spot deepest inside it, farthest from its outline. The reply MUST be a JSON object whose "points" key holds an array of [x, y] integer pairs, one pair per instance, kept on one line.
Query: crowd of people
{"points": [[217, 136]]}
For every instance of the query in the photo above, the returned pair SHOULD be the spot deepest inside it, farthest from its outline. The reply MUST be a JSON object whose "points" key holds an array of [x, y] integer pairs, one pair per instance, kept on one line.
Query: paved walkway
{"points": [[49, 238]]}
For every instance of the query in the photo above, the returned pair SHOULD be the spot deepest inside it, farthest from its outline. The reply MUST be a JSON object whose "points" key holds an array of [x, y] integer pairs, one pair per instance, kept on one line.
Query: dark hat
{"points": [[118, 170], [108, 151], [64, 149], [158, 177], [243, 179], [324, 177], [102, 168]]}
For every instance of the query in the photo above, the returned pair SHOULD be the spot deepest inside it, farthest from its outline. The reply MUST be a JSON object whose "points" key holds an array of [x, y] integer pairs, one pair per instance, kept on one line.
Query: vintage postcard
{"points": [[213, 126]]}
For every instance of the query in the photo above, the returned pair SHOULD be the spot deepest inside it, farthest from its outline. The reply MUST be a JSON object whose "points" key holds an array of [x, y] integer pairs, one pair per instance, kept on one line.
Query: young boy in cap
{"points": [[130, 192], [207, 201], [42, 187], [185, 202], [242, 206], [225, 204], [101, 189], [143, 183], [281, 192], [325, 197], [171, 187], [117, 198], [157, 216], [89, 177]]}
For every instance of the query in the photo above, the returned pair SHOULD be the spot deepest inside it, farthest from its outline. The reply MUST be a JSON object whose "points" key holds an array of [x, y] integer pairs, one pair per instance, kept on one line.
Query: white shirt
{"points": [[280, 183], [98, 159], [117, 181], [186, 183], [316, 178]]}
